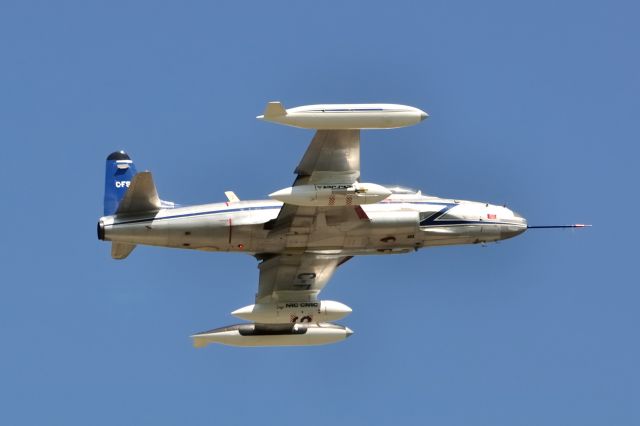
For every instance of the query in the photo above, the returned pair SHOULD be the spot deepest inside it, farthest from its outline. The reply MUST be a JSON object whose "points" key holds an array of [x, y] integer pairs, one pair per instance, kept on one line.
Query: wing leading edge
{"points": [[333, 156]]}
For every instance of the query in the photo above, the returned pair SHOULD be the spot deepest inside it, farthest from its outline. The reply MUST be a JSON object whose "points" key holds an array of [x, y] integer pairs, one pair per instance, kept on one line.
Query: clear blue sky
{"points": [[533, 104]]}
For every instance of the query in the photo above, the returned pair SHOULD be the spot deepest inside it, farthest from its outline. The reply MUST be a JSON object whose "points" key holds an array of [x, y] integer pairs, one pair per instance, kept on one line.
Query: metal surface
{"points": [[344, 116], [332, 194], [333, 156], [273, 335], [299, 246], [293, 312]]}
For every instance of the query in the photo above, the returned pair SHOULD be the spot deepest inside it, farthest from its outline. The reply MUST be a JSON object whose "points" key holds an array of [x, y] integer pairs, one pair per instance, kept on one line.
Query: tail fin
{"points": [[274, 109], [119, 174]]}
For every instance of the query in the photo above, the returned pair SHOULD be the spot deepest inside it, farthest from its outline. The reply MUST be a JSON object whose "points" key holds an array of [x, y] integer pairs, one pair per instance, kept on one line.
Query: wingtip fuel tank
{"points": [[273, 335], [344, 116]]}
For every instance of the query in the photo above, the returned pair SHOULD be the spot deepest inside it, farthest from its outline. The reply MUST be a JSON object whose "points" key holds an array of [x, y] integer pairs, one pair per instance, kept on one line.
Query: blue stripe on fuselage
{"points": [[177, 216], [429, 221], [433, 219]]}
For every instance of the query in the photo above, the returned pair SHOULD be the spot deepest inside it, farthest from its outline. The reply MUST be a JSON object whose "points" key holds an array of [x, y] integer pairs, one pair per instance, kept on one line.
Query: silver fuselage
{"points": [[399, 224]]}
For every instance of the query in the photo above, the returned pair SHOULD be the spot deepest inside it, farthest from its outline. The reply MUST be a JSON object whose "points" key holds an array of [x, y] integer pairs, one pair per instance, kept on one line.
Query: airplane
{"points": [[303, 233]]}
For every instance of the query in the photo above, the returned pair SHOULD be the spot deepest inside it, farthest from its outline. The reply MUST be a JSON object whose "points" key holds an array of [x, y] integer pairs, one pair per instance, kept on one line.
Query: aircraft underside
{"points": [[386, 231], [304, 232]]}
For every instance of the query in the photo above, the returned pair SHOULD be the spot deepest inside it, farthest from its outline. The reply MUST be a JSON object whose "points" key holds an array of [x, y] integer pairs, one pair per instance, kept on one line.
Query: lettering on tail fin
{"points": [[119, 174], [126, 191]]}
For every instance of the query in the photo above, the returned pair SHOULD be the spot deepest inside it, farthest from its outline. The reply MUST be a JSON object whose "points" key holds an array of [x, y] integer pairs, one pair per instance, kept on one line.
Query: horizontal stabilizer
{"points": [[141, 196], [121, 250]]}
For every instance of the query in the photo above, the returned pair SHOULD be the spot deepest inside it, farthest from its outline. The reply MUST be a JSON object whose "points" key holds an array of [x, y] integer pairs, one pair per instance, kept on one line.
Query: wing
{"points": [[332, 157], [295, 278]]}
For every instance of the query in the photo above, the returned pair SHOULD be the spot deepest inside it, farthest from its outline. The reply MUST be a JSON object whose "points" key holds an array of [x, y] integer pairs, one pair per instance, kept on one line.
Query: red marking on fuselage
{"points": [[362, 215]]}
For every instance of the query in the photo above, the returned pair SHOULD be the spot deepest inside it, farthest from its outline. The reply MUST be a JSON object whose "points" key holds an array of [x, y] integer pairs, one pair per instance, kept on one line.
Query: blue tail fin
{"points": [[120, 171]]}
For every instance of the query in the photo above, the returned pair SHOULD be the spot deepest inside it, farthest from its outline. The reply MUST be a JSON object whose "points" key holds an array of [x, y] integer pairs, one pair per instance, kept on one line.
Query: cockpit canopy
{"points": [[404, 190]]}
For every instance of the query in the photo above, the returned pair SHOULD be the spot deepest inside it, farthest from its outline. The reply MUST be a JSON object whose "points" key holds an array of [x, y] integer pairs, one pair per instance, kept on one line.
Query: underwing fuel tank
{"points": [[293, 312], [273, 335], [344, 116], [332, 194]]}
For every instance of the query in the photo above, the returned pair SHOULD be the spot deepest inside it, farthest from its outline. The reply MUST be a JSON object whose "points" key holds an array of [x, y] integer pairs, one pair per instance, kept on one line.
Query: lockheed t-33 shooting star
{"points": [[305, 232]]}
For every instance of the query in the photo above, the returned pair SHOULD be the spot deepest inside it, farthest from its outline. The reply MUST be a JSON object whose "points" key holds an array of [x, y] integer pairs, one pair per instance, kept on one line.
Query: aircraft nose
{"points": [[515, 227], [423, 115], [510, 231]]}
